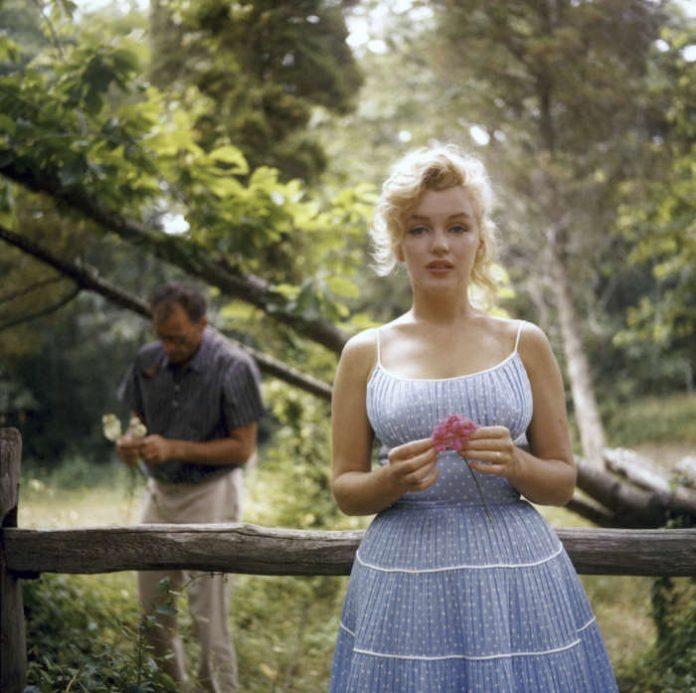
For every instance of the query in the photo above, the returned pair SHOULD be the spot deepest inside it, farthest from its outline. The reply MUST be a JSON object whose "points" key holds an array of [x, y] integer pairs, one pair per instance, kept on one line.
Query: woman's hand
{"points": [[490, 450], [413, 465]]}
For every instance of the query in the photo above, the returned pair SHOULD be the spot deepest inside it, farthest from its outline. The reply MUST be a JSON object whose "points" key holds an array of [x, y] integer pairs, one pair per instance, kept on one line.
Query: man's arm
{"points": [[234, 450]]}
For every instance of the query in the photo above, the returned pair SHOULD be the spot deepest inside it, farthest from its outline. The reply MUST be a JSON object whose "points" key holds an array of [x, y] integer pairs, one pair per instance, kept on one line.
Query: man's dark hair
{"points": [[165, 296]]}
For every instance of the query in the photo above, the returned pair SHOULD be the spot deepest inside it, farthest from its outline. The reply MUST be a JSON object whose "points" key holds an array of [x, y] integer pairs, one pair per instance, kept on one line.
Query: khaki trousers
{"points": [[217, 500]]}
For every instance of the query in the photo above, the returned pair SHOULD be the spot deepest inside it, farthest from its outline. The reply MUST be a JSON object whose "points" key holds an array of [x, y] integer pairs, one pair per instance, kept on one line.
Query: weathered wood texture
{"points": [[12, 638], [243, 548]]}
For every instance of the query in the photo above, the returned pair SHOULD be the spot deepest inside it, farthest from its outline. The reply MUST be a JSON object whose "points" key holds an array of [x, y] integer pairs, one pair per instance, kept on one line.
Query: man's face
{"points": [[179, 336]]}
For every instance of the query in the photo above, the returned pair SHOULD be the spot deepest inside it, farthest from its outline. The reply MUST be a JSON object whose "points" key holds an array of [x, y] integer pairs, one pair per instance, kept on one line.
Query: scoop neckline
{"points": [[380, 367]]}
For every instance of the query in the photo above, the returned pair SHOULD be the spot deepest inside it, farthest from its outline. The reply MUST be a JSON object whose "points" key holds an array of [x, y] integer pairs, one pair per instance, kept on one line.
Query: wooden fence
{"points": [[243, 548]]}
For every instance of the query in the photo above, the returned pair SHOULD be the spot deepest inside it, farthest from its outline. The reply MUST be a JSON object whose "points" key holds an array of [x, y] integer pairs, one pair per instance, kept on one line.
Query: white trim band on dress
{"points": [[587, 625], [384, 655], [423, 658], [462, 566]]}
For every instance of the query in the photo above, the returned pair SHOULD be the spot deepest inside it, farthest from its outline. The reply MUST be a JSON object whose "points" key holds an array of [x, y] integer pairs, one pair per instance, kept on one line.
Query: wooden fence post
{"points": [[13, 653]]}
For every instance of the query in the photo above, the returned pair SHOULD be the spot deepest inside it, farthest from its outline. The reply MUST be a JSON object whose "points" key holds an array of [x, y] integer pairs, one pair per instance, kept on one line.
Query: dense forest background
{"points": [[240, 145]]}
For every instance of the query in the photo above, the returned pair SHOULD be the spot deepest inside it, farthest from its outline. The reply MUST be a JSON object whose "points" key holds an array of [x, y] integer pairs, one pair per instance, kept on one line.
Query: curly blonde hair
{"points": [[435, 168]]}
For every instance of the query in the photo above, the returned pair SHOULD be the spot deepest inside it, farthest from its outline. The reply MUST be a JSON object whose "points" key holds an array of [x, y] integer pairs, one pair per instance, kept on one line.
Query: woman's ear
{"points": [[399, 253]]}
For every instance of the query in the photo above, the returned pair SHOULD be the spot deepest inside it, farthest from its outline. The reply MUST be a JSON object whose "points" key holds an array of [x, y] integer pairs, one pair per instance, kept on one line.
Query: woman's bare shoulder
{"points": [[534, 347], [360, 351]]}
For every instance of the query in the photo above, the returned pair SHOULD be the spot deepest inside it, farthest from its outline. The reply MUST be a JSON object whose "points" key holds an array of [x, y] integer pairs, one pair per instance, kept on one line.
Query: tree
{"points": [[561, 89], [81, 126], [262, 68], [657, 219]]}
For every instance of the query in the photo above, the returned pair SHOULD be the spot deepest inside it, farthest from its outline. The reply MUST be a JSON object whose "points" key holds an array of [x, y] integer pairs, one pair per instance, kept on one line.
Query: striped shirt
{"points": [[217, 391]]}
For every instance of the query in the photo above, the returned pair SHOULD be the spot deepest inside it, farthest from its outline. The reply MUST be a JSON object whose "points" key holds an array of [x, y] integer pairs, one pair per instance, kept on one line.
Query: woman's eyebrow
{"points": [[456, 215]]}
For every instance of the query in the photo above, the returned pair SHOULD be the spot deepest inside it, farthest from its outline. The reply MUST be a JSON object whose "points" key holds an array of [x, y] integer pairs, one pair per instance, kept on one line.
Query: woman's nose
{"points": [[440, 241]]}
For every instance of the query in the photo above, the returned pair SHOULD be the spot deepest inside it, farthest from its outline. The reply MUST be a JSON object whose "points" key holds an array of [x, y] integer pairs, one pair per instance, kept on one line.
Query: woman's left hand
{"points": [[490, 450]]}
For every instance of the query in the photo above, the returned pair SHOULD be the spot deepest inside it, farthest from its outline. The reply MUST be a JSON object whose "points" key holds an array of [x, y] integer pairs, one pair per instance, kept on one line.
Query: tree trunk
{"points": [[587, 417]]}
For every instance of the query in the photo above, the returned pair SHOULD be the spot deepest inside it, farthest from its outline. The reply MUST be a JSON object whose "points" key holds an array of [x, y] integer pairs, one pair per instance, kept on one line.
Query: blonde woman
{"points": [[459, 584]]}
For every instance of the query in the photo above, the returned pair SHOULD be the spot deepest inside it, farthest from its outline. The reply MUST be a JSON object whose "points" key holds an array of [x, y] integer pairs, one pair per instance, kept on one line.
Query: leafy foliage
{"points": [[670, 665], [87, 127], [263, 67], [64, 653], [657, 214]]}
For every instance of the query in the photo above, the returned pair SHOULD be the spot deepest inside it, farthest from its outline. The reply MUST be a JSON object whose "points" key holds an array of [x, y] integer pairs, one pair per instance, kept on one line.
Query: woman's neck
{"points": [[441, 309]]}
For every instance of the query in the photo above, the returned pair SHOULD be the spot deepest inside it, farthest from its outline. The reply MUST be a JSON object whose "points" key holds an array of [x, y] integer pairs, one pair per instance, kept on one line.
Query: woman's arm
{"points": [[547, 474], [357, 488]]}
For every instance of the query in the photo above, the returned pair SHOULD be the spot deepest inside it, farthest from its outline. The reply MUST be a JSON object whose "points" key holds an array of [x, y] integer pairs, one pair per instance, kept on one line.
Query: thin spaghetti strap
{"points": [[517, 340], [379, 352]]}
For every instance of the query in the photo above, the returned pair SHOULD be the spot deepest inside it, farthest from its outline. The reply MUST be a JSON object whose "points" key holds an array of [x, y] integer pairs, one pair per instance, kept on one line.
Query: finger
{"points": [[422, 479], [126, 444], [406, 466], [496, 458], [408, 478], [489, 433], [410, 449], [429, 480]]}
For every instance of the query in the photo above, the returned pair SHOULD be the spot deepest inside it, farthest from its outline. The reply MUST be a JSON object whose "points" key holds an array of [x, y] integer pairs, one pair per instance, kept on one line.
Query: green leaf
{"points": [[232, 157], [340, 286], [7, 124]]}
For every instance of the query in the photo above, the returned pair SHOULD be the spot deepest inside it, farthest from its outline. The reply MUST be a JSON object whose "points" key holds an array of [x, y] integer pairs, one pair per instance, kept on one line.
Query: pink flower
{"points": [[453, 432]]}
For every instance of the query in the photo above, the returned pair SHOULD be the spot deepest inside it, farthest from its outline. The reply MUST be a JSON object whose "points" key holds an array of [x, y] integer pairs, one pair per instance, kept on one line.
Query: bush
{"points": [[85, 634], [670, 666]]}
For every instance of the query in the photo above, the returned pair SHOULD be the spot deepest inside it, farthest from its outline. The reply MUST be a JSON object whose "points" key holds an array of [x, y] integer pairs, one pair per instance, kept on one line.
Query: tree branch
{"points": [[188, 256], [27, 317], [629, 506], [87, 278], [14, 295]]}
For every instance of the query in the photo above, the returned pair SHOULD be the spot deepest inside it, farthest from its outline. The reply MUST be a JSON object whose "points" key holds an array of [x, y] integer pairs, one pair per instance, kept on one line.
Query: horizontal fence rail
{"points": [[251, 549]]}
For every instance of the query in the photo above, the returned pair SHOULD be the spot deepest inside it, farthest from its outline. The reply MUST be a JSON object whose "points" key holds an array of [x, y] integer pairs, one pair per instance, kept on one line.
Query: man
{"points": [[199, 398]]}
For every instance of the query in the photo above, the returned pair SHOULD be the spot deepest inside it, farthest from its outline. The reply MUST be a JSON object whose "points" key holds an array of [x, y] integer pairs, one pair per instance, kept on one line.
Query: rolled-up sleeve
{"points": [[242, 394]]}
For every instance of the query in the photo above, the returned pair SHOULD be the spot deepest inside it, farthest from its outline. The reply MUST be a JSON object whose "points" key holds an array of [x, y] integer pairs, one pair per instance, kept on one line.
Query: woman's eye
{"points": [[417, 230], [458, 228]]}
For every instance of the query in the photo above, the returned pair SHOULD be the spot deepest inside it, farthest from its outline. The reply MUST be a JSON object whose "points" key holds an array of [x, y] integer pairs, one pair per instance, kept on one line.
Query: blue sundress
{"points": [[444, 598]]}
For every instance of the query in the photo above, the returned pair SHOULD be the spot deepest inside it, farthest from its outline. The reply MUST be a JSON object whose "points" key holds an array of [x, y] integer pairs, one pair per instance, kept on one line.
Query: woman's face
{"points": [[441, 239]]}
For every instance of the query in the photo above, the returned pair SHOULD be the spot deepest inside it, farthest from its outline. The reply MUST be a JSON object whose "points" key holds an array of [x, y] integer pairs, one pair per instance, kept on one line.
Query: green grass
{"points": [[653, 420]]}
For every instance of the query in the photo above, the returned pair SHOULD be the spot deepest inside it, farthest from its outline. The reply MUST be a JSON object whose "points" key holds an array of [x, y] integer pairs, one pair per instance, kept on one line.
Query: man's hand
{"points": [[128, 449], [154, 449]]}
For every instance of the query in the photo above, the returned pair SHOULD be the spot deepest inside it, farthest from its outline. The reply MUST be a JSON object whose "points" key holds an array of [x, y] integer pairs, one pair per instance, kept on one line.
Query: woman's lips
{"points": [[440, 267]]}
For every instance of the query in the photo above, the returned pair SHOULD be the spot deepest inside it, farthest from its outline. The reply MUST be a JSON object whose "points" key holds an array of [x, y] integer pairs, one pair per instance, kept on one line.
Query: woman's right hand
{"points": [[413, 466]]}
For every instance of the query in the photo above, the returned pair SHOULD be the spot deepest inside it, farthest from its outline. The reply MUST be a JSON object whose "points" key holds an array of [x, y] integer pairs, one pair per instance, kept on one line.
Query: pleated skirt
{"points": [[444, 598]]}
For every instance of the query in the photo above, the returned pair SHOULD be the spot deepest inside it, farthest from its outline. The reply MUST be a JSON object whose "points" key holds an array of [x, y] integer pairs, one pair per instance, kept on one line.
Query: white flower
{"points": [[111, 427], [136, 428]]}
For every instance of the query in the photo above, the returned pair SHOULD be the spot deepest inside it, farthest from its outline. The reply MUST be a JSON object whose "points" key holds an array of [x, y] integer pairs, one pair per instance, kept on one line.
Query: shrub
{"points": [[85, 634], [670, 665]]}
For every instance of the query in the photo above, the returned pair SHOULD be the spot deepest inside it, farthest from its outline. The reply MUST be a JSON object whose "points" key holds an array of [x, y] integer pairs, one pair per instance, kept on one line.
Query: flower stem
{"points": [[480, 490]]}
